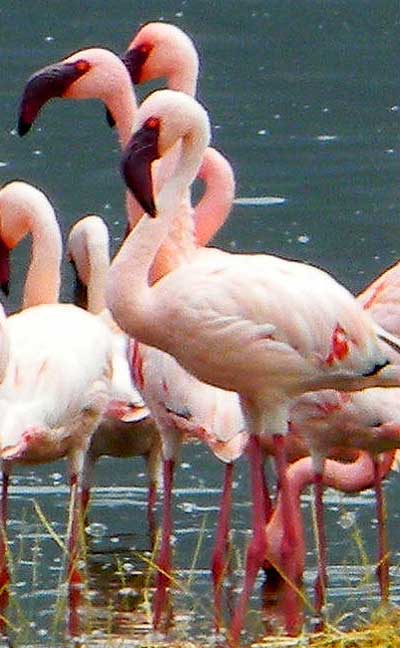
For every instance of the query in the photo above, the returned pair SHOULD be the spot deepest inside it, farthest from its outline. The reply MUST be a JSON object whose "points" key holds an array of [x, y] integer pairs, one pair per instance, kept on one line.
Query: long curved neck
{"points": [[213, 209], [184, 78], [129, 293], [42, 283], [123, 106], [99, 263], [347, 477]]}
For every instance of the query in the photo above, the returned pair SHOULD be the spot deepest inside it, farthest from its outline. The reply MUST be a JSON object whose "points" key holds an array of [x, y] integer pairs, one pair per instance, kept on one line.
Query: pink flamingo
{"points": [[367, 420], [212, 210], [336, 416], [133, 432], [350, 477], [48, 413], [230, 309]]}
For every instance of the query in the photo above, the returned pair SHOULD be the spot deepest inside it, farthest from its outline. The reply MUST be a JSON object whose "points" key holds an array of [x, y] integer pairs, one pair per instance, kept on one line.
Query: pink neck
{"points": [[214, 207], [347, 477]]}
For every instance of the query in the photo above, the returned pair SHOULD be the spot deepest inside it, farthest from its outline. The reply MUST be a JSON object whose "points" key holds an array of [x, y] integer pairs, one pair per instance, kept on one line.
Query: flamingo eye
{"points": [[152, 123], [145, 49], [82, 66]]}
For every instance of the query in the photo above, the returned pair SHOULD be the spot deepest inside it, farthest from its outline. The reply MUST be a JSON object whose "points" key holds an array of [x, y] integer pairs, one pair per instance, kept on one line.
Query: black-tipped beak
{"points": [[4, 268], [52, 81], [80, 290], [110, 119], [134, 60], [136, 163]]}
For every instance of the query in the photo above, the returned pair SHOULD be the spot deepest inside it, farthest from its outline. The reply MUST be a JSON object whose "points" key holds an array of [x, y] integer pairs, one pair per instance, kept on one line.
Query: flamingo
{"points": [[224, 316], [217, 174], [349, 477], [334, 414], [132, 433], [58, 379]]}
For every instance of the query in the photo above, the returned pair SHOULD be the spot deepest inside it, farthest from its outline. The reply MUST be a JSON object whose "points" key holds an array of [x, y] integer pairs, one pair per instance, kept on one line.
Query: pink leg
{"points": [[4, 573], [322, 577], [383, 549], [288, 547], [218, 560], [257, 548], [85, 501], [151, 504], [74, 576], [267, 499], [164, 558]]}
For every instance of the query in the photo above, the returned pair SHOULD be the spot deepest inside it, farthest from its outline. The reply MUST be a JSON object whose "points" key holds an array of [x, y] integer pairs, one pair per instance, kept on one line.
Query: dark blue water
{"points": [[304, 101]]}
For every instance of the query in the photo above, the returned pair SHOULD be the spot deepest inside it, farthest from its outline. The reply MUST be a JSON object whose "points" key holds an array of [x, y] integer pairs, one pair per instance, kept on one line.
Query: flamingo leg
{"points": [[383, 549], [288, 548], [151, 504], [4, 572], [257, 549], [74, 576], [219, 557], [164, 559], [85, 501], [321, 581]]}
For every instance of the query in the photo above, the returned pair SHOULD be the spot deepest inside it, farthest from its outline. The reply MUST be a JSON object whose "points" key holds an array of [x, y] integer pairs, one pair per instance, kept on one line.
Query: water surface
{"points": [[304, 101]]}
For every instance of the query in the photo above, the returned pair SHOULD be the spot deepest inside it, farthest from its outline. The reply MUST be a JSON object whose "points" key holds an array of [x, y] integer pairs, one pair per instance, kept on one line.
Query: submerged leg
{"points": [[383, 549], [74, 576], [164, 559], [289, 543], [219, 556], [4, 572], [321, 581], [257, 549]]}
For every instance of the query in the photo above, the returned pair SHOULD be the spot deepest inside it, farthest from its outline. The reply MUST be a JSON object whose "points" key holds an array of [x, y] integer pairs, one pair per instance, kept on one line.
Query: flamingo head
{"points": [[93, 73], [164, 118], [161, 50], [20, 204], [31, 447]]}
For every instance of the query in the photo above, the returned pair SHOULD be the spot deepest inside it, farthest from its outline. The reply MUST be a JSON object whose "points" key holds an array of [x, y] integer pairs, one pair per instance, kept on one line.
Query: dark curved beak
{"points": [[134, 59], [49, 82], [109, 118], [136, 163], [80, 290], [4, 268]]}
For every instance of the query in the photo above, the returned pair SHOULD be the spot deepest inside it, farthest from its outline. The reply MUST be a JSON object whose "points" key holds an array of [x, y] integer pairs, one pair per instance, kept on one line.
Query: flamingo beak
{"points": [[136, 163], [134, 60], [49, 82], [80, 290], [4, 268]]}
